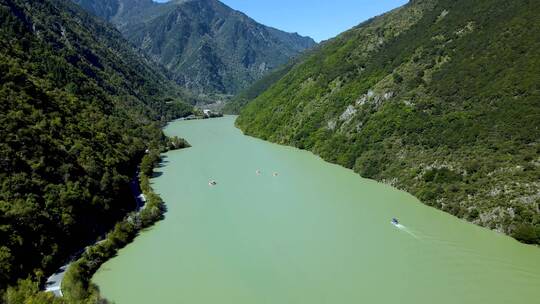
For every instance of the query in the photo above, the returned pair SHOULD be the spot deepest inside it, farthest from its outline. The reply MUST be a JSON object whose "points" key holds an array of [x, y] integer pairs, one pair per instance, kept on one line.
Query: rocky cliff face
{"points": [[208, 47]]}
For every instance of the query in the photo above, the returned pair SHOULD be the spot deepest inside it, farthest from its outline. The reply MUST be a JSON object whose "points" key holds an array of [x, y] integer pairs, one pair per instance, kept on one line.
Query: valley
{"points": [[397, 162]]}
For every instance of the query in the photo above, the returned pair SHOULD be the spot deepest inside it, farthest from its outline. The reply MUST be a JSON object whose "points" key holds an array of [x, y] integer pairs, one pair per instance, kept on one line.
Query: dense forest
{"points": [[439, 97], [78, 109]]}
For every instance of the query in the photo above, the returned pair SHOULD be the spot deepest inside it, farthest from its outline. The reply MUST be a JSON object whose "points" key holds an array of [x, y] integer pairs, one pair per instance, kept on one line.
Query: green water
{"points": [[316, 233]]}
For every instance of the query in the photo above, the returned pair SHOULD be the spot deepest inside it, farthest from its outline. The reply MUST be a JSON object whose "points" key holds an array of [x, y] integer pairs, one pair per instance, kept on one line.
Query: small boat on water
{"points": [[275, 174], [212, 183], [395, 221], [258, 172]]}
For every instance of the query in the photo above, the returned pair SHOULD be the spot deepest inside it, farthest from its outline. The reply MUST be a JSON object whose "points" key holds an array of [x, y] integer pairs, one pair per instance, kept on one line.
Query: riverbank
{"points": [[54, 282], [72, 281]]}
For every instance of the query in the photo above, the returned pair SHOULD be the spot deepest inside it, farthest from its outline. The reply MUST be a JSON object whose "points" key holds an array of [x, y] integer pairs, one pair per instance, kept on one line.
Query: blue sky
{"points": [[319, 19]]}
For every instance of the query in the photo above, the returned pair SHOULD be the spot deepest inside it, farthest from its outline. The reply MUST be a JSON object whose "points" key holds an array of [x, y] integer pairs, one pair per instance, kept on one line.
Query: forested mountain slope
{"points": [[78, 107], [207, 46], [439, 97], [234, 105]]}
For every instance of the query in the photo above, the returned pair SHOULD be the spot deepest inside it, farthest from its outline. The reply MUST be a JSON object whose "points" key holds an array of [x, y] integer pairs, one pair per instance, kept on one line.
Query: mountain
{"points": [[439, 97], [78, 108], [207, 46], [234, 105]]}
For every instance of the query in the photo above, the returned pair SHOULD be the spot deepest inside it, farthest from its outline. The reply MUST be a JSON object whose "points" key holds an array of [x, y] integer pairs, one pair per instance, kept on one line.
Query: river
{"points": [[314, 233]]}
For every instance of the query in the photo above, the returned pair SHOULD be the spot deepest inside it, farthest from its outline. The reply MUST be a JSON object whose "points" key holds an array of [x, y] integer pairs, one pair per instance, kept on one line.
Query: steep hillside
{"points": [[78, 108], [234, 105], [207, 46], [439, 97]]}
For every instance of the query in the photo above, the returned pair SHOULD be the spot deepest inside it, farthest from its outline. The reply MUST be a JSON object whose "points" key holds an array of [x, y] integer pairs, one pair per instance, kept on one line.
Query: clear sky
{"points": [[319, 19]]}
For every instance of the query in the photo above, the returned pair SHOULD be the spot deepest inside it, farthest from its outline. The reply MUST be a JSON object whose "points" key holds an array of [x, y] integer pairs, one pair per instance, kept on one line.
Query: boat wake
{"points": [[406, 230]]}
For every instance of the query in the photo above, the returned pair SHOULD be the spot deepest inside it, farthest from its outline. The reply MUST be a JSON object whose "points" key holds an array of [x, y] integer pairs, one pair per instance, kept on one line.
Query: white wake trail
{"points": [[407, 230]]}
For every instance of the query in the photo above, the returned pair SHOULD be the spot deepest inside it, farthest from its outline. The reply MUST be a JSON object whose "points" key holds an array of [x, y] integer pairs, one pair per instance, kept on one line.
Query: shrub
{"points": [[527, 233]]}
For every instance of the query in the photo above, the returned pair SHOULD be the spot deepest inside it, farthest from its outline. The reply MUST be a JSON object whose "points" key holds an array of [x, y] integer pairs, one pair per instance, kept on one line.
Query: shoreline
{"points": [[72, 281], [388, 182], [54, 281]]}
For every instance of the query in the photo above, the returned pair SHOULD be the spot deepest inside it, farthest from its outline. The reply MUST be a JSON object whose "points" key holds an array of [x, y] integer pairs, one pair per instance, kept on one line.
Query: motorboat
{"points": [[212, 183], [395, 221]]}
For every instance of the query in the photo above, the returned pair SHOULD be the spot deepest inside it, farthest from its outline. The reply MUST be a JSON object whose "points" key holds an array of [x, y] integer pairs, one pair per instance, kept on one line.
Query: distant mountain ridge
{"points": [[207, 46]]}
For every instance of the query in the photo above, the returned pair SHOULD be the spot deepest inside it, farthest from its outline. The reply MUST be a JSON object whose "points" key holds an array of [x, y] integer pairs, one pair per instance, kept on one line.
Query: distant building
{"points": [[210, 114]]}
